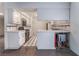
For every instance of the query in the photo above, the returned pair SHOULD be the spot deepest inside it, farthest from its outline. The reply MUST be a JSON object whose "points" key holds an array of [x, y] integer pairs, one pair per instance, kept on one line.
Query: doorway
{"points": [[1, 32], [26, 21]]}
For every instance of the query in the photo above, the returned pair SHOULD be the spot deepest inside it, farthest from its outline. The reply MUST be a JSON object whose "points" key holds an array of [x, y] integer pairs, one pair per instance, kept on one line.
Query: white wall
{"points": [[74, 36]]}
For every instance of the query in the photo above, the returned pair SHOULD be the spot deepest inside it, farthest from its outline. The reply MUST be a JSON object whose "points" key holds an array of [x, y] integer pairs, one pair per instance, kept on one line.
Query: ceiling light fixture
{"points": [[1, 14]]}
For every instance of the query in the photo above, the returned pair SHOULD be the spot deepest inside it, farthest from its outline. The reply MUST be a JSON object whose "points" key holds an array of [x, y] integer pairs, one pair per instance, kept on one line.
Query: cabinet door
{"points": [[53, 13], [22, 37], [45, 40], [16, 17]]}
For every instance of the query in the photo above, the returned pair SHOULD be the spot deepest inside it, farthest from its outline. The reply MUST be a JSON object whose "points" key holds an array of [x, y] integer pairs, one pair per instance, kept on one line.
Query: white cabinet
{"points": [[53, 13], [45, 40], [16, 17], [14, 40], [12, 16], [22, 37]]}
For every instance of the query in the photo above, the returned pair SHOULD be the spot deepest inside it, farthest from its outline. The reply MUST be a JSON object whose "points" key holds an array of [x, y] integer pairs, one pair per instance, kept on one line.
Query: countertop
{"points": [[16, 31], [53, 31]]}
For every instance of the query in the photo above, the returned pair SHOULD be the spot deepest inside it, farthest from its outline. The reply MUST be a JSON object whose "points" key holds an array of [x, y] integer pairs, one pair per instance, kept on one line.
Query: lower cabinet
{"points": [[14, 40], [45, 40]]}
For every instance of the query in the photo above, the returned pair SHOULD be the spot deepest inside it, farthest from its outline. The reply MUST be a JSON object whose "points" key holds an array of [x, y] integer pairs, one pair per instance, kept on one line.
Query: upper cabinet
{"points": [[45, 10], [53, 13], [9, 15], [16, 17], [12, 16]]}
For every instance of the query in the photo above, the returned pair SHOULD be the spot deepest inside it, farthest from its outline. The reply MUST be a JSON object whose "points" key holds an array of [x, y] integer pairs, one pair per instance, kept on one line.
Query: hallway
{"points": [[31, 41]]}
